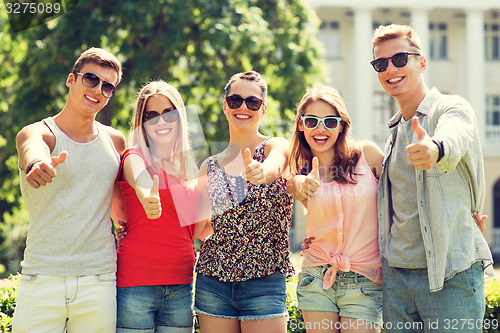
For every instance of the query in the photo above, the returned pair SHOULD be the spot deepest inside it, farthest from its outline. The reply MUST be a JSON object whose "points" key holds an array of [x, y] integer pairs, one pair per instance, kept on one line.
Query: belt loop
{"points": [[356, 278]]}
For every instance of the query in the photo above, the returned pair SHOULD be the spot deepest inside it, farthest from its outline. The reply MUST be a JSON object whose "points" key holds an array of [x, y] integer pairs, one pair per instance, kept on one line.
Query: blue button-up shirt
{"points": [[447, 193]]}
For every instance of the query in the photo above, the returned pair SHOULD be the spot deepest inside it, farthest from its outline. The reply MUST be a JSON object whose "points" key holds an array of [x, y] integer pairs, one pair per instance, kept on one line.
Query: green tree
{"points": [[196, 45]]}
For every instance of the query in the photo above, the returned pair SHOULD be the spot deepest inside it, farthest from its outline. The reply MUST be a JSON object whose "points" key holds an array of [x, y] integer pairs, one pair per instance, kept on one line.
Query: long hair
{"points": [[347, 153], [182, 154]]}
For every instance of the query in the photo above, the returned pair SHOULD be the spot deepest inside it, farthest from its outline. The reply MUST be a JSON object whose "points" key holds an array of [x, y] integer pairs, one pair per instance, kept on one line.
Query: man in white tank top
{"points": [[68, 165]]}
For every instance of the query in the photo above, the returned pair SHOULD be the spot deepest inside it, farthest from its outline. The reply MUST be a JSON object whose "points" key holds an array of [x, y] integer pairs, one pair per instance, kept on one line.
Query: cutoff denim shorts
{"points": [[259, 298], [157, 308], [352, 295]]}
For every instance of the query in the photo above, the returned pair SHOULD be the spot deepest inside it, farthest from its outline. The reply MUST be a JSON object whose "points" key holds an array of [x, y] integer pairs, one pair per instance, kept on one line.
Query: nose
{"points": [[98, 88], [390, 66]]}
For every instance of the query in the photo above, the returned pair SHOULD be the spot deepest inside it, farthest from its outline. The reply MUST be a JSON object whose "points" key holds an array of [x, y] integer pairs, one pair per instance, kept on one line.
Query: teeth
{"points": [[242, 116], [396, 79], [320, 137], [163, 131], [92, 99]]}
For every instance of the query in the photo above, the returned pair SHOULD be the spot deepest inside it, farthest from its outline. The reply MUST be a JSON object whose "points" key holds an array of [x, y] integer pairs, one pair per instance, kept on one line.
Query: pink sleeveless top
{"points": [[343, 220]]}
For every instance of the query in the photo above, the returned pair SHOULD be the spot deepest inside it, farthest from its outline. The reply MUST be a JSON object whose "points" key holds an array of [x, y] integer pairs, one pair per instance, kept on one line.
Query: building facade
{"points": [[461, 41]]}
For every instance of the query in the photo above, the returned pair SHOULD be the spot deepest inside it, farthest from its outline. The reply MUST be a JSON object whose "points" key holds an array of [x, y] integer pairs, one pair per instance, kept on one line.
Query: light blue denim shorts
{"points": [[259, 298], [352, 295], [158, 308]]}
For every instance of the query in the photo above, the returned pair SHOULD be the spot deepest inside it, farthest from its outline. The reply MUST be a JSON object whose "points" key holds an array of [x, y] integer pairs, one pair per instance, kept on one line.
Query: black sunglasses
{"points": [[253, 103], [91, 80], [153, 117], [398, 60], [330, 122]]}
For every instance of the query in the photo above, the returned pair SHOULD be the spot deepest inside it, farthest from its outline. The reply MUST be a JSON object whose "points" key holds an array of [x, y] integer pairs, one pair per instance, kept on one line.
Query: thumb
{"points": [[154, 189], [315, 168], [421, 133], [56, 160], [248, 157]]}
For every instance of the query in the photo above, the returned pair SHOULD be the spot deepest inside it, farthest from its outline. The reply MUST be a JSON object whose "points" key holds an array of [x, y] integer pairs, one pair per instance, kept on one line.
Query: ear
{"points": [[423, 63], [300, 125], [70, 80], [264, 109]]}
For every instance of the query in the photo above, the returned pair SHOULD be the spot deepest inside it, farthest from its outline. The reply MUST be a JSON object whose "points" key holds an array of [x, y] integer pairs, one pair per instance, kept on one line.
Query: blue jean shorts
{"points": [[259, 298], [159, 308], [352, 295]]}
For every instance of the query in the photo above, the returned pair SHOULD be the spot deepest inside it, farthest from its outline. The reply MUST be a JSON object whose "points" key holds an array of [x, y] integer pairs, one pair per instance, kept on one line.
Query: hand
{"points": [[480, 220], [121, 231], [311, 182], [42, 172], [423, 154], [151, 202], [253, 171], [307, 243]]}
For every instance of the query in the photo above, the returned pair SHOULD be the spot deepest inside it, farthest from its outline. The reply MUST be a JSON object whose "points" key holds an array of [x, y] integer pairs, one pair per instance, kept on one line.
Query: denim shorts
{"points": [[352, 295], [410, 306], [159, 308], [259, 298]]}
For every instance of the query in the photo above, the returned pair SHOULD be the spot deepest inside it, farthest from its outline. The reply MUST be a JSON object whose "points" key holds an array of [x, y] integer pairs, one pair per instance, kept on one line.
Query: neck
{"points": [[410, 102], [77, 126], [245, 138]]}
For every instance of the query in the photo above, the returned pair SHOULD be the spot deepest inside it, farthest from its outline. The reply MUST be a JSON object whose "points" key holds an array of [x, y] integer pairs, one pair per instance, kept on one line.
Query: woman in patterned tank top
{"points": [[242, 267], [336, 181]]}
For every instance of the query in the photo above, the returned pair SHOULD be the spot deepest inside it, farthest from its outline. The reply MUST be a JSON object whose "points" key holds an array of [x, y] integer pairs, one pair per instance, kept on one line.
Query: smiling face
{"points": [[90, 100], [401, 82], [243, 116], [160, 130], [320, 139]]}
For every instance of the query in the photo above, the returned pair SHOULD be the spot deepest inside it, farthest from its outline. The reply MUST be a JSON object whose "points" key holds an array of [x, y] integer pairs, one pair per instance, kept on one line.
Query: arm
{"points": [[118, 213], [34, 145], [274, 166], [302, 187], [374, 157], [203, 223]]}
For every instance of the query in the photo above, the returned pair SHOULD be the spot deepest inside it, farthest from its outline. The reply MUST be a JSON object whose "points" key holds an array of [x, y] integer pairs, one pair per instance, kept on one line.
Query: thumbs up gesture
{"points": [[151, 203], [423, 154], [41, 173], [253, 171], [311, 182]]}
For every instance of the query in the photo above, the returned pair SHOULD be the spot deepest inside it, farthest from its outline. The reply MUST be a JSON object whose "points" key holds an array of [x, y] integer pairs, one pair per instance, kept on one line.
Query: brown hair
{"points": [[99, 57], [387, 32], [346, 151], [249, 76]]}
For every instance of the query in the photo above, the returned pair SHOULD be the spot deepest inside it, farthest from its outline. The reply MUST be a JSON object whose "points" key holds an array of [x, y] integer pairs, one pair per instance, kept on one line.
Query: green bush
{"points": [[8, 290]]}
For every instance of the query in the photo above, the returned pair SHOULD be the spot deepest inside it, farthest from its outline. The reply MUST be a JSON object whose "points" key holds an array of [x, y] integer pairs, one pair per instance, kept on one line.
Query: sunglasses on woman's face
{"points": [[91, 80], [153, 117], [398, 60], [330, 122], [253, 103]]}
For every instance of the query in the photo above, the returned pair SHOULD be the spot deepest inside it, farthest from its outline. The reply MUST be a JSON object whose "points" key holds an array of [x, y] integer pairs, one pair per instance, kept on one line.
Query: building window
{"points": [[384, 107], [329, 35], [496, 205], [438, 35], [492, 41], [493, 118]]}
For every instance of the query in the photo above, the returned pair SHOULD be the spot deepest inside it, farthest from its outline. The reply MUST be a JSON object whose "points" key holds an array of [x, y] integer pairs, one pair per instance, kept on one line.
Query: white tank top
{"points": [[70, 228]]}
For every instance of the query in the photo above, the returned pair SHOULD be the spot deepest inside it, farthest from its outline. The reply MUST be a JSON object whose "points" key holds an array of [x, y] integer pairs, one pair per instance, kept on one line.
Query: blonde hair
{"points": [[393, 31], [182, 156], [347, 153]]}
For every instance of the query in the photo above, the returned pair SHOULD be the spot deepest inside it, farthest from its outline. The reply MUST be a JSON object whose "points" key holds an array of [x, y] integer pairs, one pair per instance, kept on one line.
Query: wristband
{"points": [[440, 146], [30, 166]]}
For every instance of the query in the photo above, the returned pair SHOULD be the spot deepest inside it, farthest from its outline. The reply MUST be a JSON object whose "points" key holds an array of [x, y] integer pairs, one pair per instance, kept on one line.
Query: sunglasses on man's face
{"points": [[91, 80], [253, 103], [153, 117], [398, 60], [330, 122]]}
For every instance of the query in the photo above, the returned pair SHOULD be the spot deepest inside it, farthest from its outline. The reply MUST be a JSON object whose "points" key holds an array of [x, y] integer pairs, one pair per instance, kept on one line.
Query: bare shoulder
{"points": [[374, 156], [118, 139], [36, 131]]}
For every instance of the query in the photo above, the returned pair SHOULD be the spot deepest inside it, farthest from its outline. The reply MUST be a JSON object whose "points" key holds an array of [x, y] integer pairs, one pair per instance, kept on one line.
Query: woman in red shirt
{"points": [[157, 178]]}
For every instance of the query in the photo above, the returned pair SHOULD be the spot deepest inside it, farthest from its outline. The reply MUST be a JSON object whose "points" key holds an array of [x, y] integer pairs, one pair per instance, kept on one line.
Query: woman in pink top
{"points": [[339, 288]]}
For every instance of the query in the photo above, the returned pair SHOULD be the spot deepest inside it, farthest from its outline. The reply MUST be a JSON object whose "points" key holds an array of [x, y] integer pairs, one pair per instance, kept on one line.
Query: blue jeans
{"points": [[259, 298], [409, 306], [159, 309]]}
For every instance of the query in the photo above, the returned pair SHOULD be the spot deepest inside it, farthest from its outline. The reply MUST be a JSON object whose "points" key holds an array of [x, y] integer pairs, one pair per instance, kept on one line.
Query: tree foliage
{"points": [[195, 45]]}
